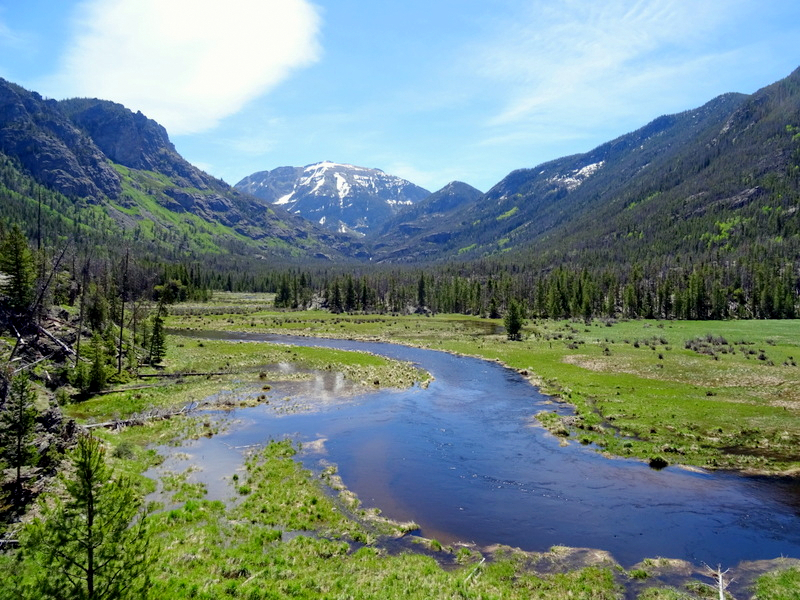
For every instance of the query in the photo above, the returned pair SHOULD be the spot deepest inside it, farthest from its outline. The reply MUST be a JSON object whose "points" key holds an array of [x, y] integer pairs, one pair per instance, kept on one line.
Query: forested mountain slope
{"points": [[109, 177], [418, 232], [720, 178]]}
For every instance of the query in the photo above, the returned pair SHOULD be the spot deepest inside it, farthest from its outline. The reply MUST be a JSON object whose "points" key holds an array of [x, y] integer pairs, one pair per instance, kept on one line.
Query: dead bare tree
{"points": [[123, 293], [36, 307], [84, 286], [719, 575]]}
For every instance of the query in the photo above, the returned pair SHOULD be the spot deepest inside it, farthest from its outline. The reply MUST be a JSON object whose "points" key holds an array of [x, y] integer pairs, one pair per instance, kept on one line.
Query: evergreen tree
{"points": [[16, 261], [494, 312], [17, 422], [364, 295], [349, 295], [422, 295], [514, 321], [90, 545], [283, 299], [335, 298], [158, 339], [98, 375], [97, 308]]}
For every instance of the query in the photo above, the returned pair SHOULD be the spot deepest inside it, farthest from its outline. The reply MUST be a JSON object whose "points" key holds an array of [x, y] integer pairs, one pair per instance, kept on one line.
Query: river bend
{"points": [[464, 459]]}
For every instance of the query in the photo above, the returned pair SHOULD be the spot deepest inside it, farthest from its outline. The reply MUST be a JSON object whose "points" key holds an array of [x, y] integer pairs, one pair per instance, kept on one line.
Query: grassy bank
{"points": [[288, 538]]}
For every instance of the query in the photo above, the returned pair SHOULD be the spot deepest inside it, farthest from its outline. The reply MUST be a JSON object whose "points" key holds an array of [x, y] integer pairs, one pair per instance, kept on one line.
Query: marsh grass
{"points": [[287, 539], [234, 366], [779, 585]]}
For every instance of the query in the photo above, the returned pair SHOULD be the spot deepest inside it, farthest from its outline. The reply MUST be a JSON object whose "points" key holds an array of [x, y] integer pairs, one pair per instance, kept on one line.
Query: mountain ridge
{"points": [[654, 183], [416, 232], [691, 183], [100, 152]]}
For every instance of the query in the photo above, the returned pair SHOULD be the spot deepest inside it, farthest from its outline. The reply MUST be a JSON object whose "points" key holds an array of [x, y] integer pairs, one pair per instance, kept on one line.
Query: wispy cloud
{"points": [[186, 63], [11, 39], [583, 62]]}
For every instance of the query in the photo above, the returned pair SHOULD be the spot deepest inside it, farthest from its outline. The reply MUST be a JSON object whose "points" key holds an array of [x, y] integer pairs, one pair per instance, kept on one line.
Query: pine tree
{"points": [[91, 545], [349, 295], [17, 422], [422, 296], [16, 261], [158, 338], [97, 309], [98, 376], [335, 298], [514, 321], [283, 299], [494, 312]]}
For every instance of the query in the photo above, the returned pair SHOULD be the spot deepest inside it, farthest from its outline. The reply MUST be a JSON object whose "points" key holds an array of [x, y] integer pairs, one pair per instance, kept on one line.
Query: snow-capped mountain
{"points": [[341, 197]]}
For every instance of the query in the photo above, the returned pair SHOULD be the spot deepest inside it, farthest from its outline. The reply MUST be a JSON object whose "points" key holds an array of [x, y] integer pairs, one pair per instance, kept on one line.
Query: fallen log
{"points": [[141, 418], [55, 340], [179, 375], [126, 389]]}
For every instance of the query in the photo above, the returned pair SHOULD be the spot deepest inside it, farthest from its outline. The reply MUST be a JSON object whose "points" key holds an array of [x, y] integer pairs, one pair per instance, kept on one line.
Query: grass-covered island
{"points": [[700, 394]]}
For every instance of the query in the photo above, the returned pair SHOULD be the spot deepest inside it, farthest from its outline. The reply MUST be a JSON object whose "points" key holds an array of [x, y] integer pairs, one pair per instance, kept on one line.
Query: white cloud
{"points": [[186, 63]]}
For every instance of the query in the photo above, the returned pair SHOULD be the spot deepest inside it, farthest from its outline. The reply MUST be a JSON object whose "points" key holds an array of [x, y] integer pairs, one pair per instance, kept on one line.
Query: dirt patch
{"points": [[594, 363]]}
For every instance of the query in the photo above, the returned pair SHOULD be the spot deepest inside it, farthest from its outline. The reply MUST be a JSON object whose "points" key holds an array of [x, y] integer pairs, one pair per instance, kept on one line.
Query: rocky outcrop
{"points": [[51, 148], [131, 139], [208, 206]]}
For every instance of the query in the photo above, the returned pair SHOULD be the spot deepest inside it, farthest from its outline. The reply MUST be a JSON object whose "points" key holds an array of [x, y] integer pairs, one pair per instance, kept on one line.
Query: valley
{"points": [[641, 418], [620, 401]]}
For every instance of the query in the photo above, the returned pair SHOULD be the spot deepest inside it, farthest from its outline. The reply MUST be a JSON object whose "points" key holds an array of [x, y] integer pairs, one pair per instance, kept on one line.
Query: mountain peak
{"points": [[328, 164], [339, 196]]}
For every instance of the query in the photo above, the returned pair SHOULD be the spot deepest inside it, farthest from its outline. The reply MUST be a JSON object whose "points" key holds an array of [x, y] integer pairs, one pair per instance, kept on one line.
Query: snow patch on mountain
{"points": [[577, 177], [342, 186], [285, 199]]}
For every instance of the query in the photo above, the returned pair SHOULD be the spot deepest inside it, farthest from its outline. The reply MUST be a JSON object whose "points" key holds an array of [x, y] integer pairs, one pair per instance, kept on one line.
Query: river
{"points": [[465, 460]]}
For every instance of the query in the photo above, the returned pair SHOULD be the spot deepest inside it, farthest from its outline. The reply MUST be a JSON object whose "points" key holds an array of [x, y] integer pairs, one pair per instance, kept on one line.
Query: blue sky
{"points": [[433, 91]]}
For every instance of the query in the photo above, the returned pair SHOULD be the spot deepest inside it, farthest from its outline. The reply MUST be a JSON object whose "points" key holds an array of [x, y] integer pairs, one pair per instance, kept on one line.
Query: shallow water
{"points": [[462, 459]]}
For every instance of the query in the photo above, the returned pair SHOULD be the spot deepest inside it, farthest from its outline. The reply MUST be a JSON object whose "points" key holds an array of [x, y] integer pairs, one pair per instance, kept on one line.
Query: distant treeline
{"points": [[740, 290]]}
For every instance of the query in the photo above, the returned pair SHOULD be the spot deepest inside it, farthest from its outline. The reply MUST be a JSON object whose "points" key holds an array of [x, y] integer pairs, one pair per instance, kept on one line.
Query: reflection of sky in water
{"points": [[461, 459]]}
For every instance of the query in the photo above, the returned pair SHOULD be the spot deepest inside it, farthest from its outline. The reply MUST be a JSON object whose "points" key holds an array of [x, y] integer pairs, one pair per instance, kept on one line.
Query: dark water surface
{"points": [[462, 459]]}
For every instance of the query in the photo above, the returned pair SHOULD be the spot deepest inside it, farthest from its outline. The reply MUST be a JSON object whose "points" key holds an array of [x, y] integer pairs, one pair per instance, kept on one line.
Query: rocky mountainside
{"points": [[132, 140], [343, 198], [418, 232], [101, 162], [684, 184], [51, 148]]}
